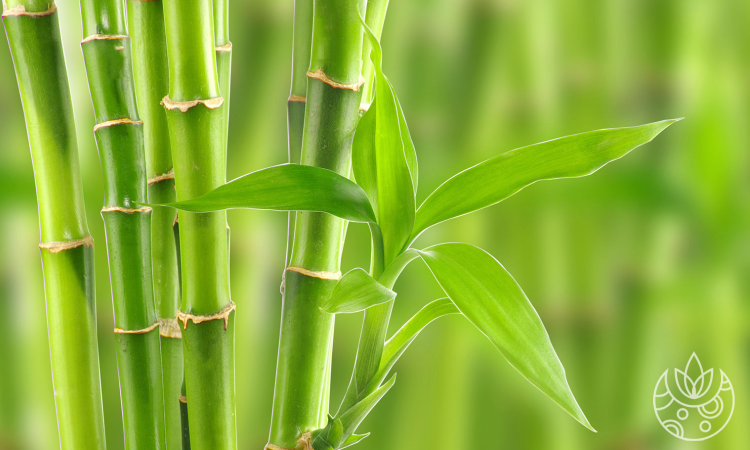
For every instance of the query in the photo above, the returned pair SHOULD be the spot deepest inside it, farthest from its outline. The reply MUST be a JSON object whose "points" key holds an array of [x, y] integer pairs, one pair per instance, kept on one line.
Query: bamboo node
{"points": [[224, 48], [183, 399], [163, 177], [20, 10], [169, 328], [143, 331], [315, 274], [221, 315], [304, 441], [145, 209], [123, 121], [57, 247], [119, 48], [211, 103], [294, 98], [320, 75], [104, 37]]}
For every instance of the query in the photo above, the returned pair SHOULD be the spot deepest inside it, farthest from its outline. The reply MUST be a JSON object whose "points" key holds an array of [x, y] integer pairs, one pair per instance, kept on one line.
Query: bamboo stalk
{"points": [[196, 127], [149, 43], [119, 137], [66, 246], [223, 49], [331, 114]]}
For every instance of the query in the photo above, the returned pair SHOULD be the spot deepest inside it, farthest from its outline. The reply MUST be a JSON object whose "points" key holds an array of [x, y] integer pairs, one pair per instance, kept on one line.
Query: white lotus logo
{"points": [[698, 408]]}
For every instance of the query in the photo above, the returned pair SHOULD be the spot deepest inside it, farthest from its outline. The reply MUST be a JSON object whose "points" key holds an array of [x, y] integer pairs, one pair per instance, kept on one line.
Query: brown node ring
{"points": [[224, 48], [210, 103], [335, 276], [20, 11], [104, 37], [294, 98], [143, 331], [320, 75], [107, 209], [57, 247], [169, 328], [163, 177], [221, 315], [123, 121], [183, 399]]}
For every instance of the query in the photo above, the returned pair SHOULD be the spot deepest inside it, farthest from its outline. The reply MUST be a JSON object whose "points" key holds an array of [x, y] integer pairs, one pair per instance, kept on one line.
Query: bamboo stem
{"points": [[331, 115], [67, 248], [146, 26], [197, 134], [119, 137]]}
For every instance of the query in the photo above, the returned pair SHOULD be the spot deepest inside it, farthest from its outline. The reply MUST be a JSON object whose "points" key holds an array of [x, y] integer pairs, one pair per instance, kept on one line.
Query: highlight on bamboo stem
{"points": [[196, 111], [119, 137], [66, 246], [384, 167]]}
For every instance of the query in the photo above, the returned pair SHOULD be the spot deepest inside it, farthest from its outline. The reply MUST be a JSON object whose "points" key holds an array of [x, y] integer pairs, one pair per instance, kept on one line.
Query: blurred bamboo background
{"points": [[631, 269]]}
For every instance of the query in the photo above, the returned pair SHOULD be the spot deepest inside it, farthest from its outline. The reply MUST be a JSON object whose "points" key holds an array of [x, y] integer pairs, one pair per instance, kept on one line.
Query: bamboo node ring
{"points": [[123, 121], [169, 328], [320, 75], [183, 399], [143, 331], [57, 247], [211, 103], [294, 98], [221, 315], [224, 48], [163, 177], [315, 274], [104, 37], [145, 209], [20, 10]]}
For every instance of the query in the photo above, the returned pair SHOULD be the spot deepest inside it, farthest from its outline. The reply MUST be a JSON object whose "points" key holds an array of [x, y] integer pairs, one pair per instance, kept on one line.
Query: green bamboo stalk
{"points": [[119, 137], [331, 114], [149, 43], [197, 134], [223, 59], [66, 245], [295, 105]]}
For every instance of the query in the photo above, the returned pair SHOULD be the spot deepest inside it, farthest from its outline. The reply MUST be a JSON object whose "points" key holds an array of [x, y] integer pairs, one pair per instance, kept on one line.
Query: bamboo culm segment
{"points": [[331, 115], [107, 54], [146, 26], [67, 248], [197, 136]]}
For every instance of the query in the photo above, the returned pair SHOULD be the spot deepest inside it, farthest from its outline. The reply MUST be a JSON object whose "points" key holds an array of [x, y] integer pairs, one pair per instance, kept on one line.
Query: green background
{"points": [[631, 269]]}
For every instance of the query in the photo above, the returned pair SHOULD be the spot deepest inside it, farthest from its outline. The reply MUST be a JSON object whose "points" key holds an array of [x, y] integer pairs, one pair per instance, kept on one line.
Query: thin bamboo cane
{"points": [[223, 49], [119, 137], [149, 43], [332, 105], [196, 127], [67, 248]]}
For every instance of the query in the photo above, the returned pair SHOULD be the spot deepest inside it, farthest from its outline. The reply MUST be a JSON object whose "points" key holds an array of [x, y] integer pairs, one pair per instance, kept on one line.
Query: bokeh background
{"points": [[631, 269]]}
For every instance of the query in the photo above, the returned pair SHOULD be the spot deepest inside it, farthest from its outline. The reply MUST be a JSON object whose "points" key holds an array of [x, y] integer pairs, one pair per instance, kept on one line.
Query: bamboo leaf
{"points": [[357, 413], [356, 291], [380, 162], [288, 187], [353, 439], [500, 177], [491, 299]]}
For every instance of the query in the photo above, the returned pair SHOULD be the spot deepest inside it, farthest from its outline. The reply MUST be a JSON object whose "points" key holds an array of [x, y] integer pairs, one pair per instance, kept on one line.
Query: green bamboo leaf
{"points": [[400, 341], [356, 291], [491, 299], [357, 413], [288, 187], [380, 163], [500, 177], [353, 439]]}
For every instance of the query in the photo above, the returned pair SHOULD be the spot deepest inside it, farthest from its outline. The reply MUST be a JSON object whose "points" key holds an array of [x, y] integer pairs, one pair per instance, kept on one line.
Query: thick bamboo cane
{"points": [[67, 248], [149, 43], [119, 137], [197, 133], [331, 114]]}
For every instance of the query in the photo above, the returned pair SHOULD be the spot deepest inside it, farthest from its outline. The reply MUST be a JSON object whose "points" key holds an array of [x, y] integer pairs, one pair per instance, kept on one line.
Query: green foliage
{"points": [[491, 299], [356, 291], [568, 157], [381, 163], [288, 187]]}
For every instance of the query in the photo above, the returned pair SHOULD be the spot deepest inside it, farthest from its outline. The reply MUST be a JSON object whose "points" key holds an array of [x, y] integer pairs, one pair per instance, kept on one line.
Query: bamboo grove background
{"points": [[631, 269]]}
